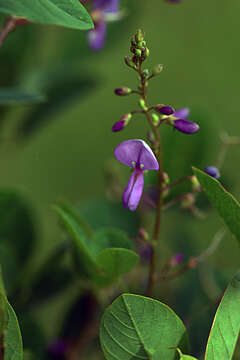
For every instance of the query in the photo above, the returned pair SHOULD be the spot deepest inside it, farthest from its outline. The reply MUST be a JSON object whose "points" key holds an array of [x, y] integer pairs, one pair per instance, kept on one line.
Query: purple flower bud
{"points": [[185, 126], [119, 125], [212, 171], [165, 110], [123, 91], [176, 259]]}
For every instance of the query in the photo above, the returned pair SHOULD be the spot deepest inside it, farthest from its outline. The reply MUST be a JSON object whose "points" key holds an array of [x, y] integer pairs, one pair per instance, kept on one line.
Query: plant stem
{"points": [[158, 153]]}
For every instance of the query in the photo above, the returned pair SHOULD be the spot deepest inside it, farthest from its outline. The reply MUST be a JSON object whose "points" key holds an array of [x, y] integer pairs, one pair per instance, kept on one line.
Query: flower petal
{"points": [[136, 151], [109, 6], [182, 113], [133, 191], [96, 37]]}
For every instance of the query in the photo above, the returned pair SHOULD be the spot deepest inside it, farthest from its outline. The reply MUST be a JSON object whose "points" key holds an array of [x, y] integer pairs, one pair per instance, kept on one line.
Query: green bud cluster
{"points": [[138, 48]]}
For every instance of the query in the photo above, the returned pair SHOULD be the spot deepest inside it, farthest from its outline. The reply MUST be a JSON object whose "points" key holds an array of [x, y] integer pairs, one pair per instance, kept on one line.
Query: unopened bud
{"points": [[188, 201], [146, 52], [143, 104], [176, 259], [165, 178], [135, 59], [164, 110], [155, 119], [192, 263], [129, 62], [185, 126], [195, 184], [157, 69], [138, 52], [120, 125], [123, 91], [212, 171], [139, 36], [143, 234], [145, 73]]}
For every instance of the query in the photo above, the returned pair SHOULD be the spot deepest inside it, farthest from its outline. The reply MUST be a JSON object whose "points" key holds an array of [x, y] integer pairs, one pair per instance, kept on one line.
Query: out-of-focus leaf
{"points": [[116, 261], [137, 327], [73, 225], [13, 338], [105, 213], [68, 13], [88, 248], [61, 92], [16, 226], [33, 336], [14, 96], [109, 238], [226, 205], [17, 235], [226, 324]]}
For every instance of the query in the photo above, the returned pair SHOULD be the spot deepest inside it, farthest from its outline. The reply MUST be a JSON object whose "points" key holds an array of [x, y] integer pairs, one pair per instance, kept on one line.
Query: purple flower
{"points": [[139, 156], [102, 12], [182, 124], [212, 171]]}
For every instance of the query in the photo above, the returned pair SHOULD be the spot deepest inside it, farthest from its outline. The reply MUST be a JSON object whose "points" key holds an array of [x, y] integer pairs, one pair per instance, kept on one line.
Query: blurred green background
{"points": [[198, 43]]}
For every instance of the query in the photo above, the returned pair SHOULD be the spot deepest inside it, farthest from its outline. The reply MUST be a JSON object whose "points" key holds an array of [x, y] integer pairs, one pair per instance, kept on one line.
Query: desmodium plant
{"points": [[112, 253]]}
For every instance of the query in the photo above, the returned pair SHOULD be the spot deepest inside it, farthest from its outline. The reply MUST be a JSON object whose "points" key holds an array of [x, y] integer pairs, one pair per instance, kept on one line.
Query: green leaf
{"points": [[13, 339], [137, 327], [226, 324], [68, 13], [77, 230], [109, 238], [94, 258], [115, 262], [13, 96], [17, 235], [226, 205], [105, 213]]}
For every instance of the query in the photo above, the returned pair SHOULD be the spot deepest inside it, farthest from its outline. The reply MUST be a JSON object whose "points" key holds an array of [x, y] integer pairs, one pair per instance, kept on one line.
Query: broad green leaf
{"points": [[109, 238], [100, 268], [68, 13], [115, 262], [13, 338], [226, 324], [13, 96], [137, 327], [227, 206]]}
